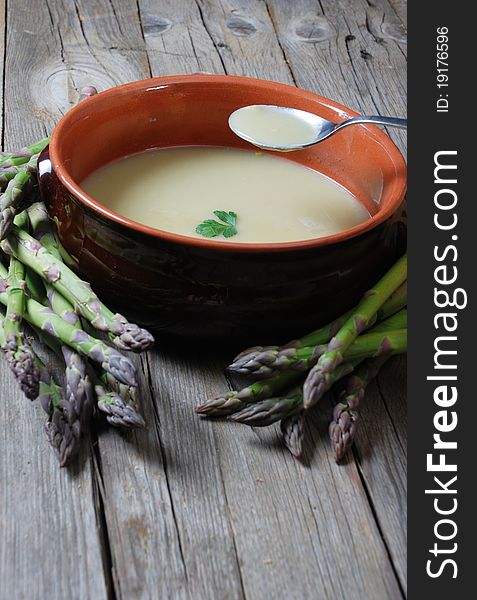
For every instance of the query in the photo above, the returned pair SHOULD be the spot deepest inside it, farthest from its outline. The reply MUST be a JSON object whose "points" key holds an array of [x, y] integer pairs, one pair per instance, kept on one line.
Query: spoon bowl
{"points": [[285, 129]]}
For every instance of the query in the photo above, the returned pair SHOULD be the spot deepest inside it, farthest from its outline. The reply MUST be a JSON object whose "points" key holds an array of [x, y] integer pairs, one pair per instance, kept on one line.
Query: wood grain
{"points": [[351, 51], [52, 542], [191, 508]]}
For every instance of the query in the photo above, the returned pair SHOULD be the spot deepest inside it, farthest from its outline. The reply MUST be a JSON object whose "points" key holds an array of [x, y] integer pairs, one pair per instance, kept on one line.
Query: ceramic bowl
{"points": [[200, 288]]}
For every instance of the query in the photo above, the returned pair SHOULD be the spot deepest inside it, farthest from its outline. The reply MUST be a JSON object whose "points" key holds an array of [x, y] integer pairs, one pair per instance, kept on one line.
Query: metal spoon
{"points": [[283, 129]]}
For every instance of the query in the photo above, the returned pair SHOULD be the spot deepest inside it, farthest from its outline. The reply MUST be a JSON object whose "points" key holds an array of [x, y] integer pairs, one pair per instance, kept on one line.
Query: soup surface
{"points": [[269, 127], [177, 189]]}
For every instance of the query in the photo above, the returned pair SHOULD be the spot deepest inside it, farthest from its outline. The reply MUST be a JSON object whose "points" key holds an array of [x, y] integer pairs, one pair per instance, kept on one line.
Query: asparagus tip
{"points": [[342, 429], [133, 338], [293, 431], [21, 361], [63, 438]]}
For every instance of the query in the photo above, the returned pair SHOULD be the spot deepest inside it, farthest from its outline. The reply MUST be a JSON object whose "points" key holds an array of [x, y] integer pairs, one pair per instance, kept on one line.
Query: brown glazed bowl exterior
{"points": [[200, 288]]}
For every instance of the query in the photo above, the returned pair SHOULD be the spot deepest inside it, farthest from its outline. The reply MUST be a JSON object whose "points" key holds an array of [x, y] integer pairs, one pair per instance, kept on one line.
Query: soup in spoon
{"points": [[178, 189]]}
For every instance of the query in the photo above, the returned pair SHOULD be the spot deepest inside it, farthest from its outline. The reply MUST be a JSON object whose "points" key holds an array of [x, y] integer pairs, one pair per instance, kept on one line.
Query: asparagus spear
{"points": [[46, 319], [79, 388], [127, 336], [268, 411], [12, 159], [17, 350], [302, 359], [226, 404], [17, 195], [264, 361], [396, 301], [293, 432], [119, 402], [369, 344], [6, 175], [396, 321], [63, 436], [343, 427], [317, 381], [78, 398]]}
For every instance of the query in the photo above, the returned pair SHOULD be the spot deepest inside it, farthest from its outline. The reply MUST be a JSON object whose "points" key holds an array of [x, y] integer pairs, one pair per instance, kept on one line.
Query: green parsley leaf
{"points": [[211, 228], [227, 217], [229, 232]]}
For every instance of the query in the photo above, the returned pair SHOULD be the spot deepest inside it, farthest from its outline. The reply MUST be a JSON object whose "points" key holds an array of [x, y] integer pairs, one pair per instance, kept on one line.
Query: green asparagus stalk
{"points": [[17, 195], [369, 344], [395, 321], [13, 159], [264, 361], [17, 350], [293, 433], [119, 402], [34, 287], [78, 397], [396, 301], [302, 359], [46, 319], [230, 402], [63, 436], [6, 175], [317, 381], [79, 388], [270, 410], [127, 336], [19, 354], [343, 427]]}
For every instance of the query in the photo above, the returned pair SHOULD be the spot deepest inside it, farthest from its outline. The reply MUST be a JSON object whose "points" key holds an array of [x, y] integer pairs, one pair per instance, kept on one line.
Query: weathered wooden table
{"points": [[190, 508]]}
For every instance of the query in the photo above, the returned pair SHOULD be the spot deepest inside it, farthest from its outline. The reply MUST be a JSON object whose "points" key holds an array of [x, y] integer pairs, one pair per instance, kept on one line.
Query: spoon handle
{"points": [[377, 120]]}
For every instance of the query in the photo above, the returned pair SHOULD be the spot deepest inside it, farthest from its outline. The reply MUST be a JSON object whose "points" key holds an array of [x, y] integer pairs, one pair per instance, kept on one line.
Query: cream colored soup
{"points": [[269, 127], [176, 189]]}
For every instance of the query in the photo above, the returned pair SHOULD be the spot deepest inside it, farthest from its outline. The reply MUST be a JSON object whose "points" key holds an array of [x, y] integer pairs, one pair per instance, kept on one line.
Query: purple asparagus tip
{"points": [[21, 361], [88, 91], [293, 431], [342, 429]]}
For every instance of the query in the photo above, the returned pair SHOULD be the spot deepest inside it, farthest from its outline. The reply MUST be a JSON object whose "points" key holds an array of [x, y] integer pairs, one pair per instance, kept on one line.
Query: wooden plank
{"points": [[184, 502], [3, 28], [400, 7], [381, 456], [239, 457], [152, 551], [51, 539], [347, 51], [176, 39], [315, 518], [342, 70]]}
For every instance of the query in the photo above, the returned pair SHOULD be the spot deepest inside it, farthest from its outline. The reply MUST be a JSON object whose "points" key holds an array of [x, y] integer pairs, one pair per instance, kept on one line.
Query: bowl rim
{"points": [[382, 215]]}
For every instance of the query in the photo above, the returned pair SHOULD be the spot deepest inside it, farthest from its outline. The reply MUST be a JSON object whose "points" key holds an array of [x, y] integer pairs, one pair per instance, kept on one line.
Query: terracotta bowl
{"points": [[200, 288]]}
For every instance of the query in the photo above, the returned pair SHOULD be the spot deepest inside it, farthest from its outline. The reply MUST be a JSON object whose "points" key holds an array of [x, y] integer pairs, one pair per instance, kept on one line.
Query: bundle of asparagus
{"points": [[64, 313], [289, 380]]}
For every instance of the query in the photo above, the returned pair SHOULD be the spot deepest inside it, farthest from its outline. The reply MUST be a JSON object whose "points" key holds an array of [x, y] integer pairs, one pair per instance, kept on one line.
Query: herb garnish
{"points": [[211, 228]]}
